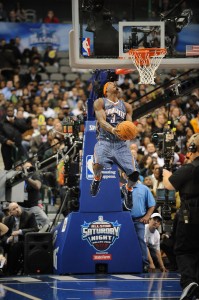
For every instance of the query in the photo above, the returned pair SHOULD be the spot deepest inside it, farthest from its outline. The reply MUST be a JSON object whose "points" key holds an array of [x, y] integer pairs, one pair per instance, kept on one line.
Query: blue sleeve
{"points": [[150, 200]]}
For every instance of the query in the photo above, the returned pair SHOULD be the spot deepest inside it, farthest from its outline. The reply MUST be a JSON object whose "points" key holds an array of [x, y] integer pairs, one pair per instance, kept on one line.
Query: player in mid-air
{"points": [[110, 149]]}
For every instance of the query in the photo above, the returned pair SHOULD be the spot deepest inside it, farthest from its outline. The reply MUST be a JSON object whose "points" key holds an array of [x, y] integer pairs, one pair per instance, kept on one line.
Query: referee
{"points": [[185, 180]]}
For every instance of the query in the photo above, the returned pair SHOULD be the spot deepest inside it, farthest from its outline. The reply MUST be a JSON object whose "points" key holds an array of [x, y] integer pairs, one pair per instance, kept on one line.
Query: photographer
{"points": [[32, 187], [185, 180]]}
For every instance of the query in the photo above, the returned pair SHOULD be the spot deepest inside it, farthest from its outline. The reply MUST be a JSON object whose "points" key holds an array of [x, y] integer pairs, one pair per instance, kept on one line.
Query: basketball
{"points": [[126, 130]]}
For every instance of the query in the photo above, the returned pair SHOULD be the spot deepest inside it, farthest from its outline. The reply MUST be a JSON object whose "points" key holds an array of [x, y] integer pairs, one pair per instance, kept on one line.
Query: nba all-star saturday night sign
{"points": [[101, 235], [38, 35]]}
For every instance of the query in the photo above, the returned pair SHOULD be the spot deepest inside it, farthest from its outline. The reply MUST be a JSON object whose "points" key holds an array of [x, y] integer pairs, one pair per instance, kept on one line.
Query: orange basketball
{"points": [[126, 130]]}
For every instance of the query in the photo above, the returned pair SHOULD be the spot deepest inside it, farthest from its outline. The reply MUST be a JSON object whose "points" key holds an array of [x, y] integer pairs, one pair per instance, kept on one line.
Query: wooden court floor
{"points": [[154, 286]]}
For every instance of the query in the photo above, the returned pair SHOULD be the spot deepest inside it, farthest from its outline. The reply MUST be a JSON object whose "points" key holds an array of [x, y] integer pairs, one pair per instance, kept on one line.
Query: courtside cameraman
{"points": [[185, 180]]}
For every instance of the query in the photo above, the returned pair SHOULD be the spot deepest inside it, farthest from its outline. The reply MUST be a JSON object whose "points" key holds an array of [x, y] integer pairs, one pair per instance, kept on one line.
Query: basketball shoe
{"points": [[190, 292], [128, 199], [95, 187]]}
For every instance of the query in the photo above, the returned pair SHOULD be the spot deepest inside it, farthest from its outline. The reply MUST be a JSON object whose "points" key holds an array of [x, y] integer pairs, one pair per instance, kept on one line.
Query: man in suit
{"points": [[19, 222], [11, 130]]}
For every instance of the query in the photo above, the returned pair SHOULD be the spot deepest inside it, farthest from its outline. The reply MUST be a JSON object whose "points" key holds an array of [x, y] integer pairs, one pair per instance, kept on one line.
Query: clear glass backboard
{"points": [[104, 31]]}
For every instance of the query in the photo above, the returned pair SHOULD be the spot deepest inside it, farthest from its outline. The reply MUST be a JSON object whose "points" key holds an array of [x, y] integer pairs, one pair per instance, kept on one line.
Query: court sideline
{"points": [[154, 286]]}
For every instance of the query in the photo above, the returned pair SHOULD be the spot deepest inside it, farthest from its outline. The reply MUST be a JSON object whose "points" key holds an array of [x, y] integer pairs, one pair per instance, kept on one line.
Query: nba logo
{"points": [[86, 50], [89, 167]]}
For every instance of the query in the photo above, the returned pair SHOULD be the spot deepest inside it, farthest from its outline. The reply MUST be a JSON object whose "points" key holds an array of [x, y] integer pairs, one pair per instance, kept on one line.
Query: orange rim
{"points": [[150, 51]]}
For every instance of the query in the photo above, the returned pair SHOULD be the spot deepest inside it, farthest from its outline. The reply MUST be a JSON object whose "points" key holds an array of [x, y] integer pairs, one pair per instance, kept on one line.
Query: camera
{"points": [[165, 143]]}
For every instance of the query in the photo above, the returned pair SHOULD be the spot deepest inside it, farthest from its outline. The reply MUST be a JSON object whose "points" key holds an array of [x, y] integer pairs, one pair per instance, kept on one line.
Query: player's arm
{"points": [[101, 116], [129, 111]]}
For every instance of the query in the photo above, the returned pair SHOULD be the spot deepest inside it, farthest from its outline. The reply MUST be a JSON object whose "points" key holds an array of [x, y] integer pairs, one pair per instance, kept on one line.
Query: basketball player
{"points": [[109, 149]]}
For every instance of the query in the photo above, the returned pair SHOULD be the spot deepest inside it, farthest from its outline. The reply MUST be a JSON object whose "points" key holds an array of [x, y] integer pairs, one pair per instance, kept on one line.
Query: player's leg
{"points": [[98, 165], [124, 159], [95, 185], [134, 176]]}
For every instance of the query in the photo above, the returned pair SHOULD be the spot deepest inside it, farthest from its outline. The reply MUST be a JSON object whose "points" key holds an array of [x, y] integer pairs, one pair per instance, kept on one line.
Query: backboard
{"points": [[104, 30]]}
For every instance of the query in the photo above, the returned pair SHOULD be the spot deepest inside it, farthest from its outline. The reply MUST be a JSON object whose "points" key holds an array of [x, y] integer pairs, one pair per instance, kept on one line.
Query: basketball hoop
{"points": [[147, 60]]}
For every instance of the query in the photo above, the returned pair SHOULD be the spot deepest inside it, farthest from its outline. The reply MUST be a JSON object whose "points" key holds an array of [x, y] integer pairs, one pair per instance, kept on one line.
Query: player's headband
{"points": [[105, 88]]}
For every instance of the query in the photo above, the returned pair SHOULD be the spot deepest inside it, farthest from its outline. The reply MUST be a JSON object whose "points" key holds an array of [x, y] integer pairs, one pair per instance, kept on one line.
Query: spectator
{"points": [[26, 56], [3, 231], [150, 149], [152, 238], [2, 107], [54, 146], [145, 165], [19, 45], [45, 146], [149, 183], [11, 130], [143, 207], [40, 116], [20, 12], [5, 209], [3, 13], [157, 178], [34, 52], [195, 123], [32, 76], [19, 222], [37, 141], [37, 64], [160, 122], [48, 112], [11, 46], [29, 134], [79, 109], [51, 18], [13, 17], [50, 58], [6, 91]]}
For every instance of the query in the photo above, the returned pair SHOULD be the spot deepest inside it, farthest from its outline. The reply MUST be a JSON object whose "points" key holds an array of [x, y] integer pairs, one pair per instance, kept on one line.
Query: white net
{"points": [[147, 61]]}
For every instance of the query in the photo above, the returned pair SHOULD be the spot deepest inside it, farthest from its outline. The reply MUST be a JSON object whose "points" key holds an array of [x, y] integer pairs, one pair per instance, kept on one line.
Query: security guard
{"points": [[185, 180]]}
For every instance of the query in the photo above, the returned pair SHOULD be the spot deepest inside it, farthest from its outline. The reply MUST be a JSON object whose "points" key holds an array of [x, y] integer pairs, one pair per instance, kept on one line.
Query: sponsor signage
{"points": [[101, 235]]}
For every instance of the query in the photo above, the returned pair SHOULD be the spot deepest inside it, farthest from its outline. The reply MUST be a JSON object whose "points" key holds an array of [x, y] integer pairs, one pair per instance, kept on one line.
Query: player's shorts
{"points": [[107, 153]]}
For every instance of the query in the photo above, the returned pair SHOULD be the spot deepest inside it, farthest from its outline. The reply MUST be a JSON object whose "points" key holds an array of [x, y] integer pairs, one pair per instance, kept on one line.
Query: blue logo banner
{"points": [[37, 34]]}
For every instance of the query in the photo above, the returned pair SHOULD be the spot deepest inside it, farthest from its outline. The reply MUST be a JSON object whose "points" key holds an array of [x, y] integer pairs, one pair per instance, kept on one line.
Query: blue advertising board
{"points": [[39, 35]]}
